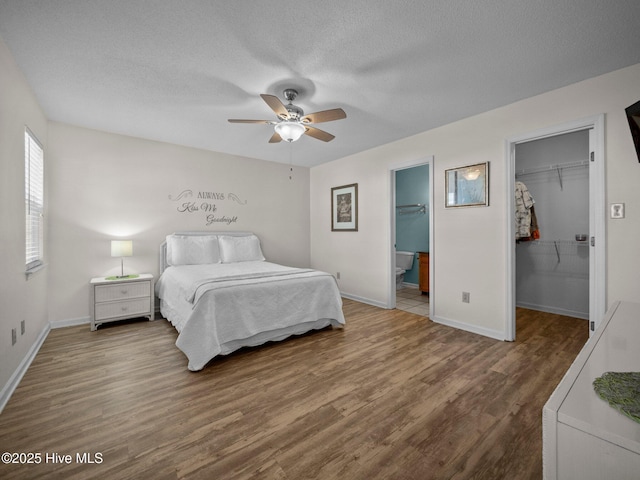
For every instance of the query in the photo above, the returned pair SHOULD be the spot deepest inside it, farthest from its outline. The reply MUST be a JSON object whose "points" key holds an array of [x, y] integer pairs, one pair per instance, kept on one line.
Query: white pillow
{"points": [[240, 249], [192, 250]]}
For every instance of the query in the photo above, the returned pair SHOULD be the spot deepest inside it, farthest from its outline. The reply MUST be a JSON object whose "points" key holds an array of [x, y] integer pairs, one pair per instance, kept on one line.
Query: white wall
{"points": [[20, 299], [105, 186], [469, 243], [362, 275]]}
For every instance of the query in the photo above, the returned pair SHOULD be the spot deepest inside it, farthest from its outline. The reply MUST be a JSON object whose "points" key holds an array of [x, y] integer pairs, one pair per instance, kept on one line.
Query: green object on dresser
{"points": [[622, 391], [123, 278]]}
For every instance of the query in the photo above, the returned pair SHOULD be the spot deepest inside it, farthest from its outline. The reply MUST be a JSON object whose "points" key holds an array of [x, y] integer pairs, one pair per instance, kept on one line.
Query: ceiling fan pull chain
{"points": [[290, 160]]}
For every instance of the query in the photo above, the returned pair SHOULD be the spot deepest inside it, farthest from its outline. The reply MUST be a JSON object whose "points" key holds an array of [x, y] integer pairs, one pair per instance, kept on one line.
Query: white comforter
{"points": [[218, 308]]}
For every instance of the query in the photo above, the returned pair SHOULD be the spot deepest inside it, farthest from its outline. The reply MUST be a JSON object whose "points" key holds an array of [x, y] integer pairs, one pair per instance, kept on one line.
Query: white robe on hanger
{"points": [[524, 203]]}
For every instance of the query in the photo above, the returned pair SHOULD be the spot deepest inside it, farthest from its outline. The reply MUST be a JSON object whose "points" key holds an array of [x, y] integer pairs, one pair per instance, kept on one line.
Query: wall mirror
{"points": [[467, 186]]}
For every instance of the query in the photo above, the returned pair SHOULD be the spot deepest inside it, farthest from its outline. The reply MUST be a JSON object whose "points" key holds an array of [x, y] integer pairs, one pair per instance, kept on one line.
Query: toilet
{"points": [[404, 262]]}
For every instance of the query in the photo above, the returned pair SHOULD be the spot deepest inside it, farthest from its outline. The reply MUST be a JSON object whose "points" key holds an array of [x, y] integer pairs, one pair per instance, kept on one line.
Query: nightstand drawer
{"points": [[107, 293], [125, 308]]}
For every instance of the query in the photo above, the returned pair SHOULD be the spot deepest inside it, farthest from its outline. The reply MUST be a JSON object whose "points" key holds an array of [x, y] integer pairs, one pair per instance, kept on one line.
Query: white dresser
{"points": [[583, 436], [122, 298]]}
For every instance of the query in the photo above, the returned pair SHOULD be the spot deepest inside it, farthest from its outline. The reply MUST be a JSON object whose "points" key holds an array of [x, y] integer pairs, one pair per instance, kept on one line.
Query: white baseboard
{"points": [[14, 381], [71, 322], [368, 301], [557, 311], [487, 332]]}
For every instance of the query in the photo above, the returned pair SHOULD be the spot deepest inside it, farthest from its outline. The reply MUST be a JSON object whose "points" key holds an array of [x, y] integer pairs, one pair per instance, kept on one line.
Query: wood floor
{"points": [[392, 396]]}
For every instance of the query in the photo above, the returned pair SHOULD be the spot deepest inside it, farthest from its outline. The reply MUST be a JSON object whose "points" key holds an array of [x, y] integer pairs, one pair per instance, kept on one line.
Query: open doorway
{"points": [[552, 245], [561, 269], [411, 239]]}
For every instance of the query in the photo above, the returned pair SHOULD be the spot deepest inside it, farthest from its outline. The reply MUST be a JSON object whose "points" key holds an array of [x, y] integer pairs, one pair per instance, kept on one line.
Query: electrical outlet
{"points": [[466, 297], [338, 275], [14, 336], [22, 327]]}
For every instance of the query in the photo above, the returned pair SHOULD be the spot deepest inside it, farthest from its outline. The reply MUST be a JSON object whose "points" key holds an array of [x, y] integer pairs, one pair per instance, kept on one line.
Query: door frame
{"points": [[597, 218], [428, 160]]}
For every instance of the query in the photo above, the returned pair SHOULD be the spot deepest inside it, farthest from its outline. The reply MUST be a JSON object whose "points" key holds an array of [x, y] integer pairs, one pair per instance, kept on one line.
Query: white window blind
{"points": [[34, 200]]}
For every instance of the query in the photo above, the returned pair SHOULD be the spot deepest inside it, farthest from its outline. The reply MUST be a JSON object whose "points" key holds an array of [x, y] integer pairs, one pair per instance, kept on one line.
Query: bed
{"points": [[220, 294]]}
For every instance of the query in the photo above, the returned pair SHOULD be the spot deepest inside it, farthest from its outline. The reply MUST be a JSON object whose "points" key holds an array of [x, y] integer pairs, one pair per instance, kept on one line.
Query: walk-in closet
{"points": [[552, 224]]}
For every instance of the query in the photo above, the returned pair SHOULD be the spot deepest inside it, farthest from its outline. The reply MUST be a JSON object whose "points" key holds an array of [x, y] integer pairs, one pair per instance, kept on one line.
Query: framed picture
{"points": [[467, 186], [344, 208]]}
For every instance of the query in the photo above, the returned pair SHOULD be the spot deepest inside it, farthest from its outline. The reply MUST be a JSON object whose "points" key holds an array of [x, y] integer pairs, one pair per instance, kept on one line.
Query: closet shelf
{"points": [[553, 168], [556, 244]]}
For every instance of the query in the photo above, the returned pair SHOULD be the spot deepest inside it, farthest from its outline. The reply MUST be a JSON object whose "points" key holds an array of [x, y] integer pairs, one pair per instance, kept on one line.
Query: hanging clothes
{"points": [[535, 231], [526, 220]]}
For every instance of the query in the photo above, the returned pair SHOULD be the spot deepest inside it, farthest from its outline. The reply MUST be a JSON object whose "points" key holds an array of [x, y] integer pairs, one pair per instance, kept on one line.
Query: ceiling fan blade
{"points": [[237, 120], [325, 116], [318, 134], [275, 138], [276, 105]]}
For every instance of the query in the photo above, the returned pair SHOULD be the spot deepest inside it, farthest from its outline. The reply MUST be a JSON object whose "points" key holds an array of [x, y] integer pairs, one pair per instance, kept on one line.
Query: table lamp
{"points": [[122, 248]]}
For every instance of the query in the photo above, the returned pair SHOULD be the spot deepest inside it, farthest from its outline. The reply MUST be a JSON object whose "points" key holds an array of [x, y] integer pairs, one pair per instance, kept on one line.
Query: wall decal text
{"points": [[207, 203]]}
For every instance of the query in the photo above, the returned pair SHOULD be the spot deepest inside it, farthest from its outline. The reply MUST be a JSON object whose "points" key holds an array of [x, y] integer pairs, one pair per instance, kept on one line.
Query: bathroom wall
{"points": [[412, 229]]}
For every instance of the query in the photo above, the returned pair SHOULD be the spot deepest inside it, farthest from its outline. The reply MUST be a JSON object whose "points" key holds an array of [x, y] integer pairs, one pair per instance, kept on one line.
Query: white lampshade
{"points": [[121, 248], [290, 131]]}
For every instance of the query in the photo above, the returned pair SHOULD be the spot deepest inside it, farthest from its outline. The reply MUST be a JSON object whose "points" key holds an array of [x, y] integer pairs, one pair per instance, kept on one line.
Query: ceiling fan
{"points": [[292, 123]]}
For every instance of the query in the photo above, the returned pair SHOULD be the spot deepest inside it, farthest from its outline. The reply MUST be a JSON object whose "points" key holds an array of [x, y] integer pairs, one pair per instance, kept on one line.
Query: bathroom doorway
{"points": [[411, 240]]}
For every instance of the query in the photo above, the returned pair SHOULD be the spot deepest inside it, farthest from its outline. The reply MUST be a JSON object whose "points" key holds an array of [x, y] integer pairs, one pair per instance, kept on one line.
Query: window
{"points": [[34, 200]]}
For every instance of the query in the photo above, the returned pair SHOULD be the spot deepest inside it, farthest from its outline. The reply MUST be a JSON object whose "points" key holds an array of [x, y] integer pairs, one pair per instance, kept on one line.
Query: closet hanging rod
{"points": [[551, 168]]}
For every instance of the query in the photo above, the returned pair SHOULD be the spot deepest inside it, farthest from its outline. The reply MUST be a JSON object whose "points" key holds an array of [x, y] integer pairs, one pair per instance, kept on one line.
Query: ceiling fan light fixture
{"points": [[472, 174], [292, 122], [290, 131]]}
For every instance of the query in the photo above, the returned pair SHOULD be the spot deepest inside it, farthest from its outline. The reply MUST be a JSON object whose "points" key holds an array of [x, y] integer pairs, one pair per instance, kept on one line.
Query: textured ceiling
{"points": [[175, 71]]}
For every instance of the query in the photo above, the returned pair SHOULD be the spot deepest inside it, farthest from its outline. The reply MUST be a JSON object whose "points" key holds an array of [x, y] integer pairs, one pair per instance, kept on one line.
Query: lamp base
{"points": [[122, 277]]}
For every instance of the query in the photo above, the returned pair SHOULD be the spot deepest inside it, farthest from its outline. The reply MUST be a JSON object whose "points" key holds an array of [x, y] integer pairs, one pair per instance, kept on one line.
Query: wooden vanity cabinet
{"points": [[423, 272]]}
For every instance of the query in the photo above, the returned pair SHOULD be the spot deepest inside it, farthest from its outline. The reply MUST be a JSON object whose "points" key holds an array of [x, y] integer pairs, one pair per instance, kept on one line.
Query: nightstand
{"points": [[122, 298]]}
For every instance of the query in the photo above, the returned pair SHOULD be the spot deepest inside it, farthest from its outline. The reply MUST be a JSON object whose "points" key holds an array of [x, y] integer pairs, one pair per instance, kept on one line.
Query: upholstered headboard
{"points": [[163, 263]]}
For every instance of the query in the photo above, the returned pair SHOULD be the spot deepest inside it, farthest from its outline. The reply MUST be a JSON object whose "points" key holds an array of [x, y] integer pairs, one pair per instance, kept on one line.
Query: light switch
{"points": [[617, 210]]}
